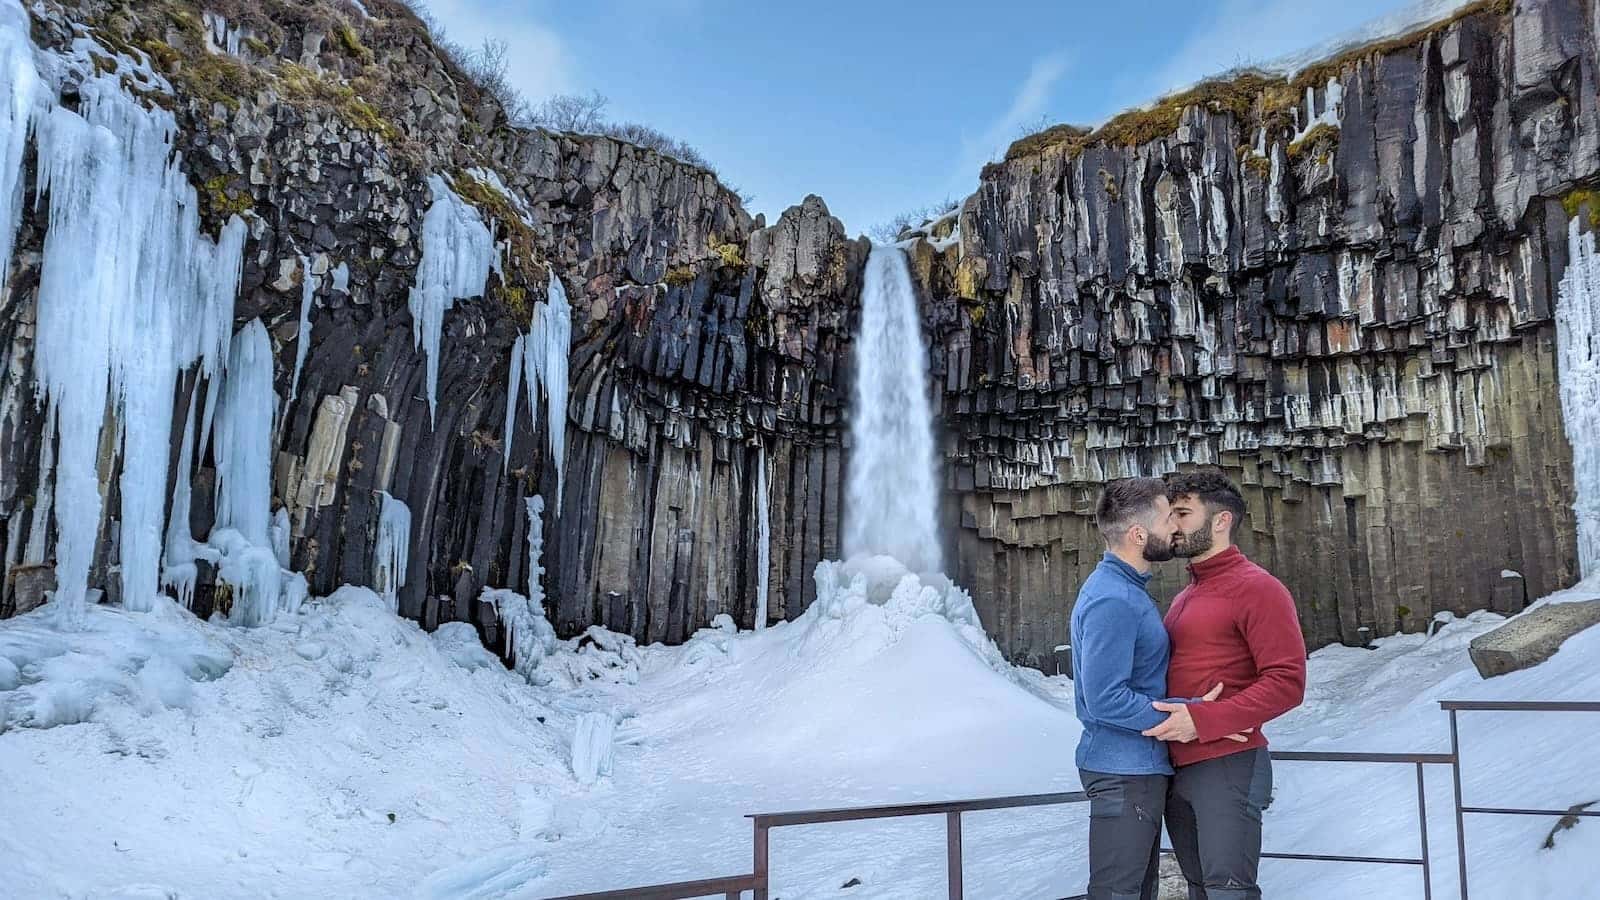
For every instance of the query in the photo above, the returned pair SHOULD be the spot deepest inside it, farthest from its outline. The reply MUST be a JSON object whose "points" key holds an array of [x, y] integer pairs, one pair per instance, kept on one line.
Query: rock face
{"points": [[1531, 638], [1339, 289], [704, 344]]}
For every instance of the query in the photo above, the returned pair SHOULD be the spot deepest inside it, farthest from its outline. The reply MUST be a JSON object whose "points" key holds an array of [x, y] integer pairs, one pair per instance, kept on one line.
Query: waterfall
{"points": [[1578, 358], [891, 495]]}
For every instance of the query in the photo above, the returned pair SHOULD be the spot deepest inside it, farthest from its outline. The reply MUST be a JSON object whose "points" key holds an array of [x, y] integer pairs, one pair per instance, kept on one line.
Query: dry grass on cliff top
{"points": [[1250, 95]]}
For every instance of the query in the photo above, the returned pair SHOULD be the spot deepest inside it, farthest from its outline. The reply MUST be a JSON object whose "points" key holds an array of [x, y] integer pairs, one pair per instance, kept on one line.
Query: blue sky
{"points": [[880, 107]]}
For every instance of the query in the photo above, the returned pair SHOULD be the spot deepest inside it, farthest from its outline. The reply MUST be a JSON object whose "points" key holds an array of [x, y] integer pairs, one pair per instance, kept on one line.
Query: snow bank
{"points": [[338, 752], [460, 642], [145, 662]]}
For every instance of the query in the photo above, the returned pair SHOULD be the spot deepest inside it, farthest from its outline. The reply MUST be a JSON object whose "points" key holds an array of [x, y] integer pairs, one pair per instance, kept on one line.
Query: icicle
{"points": [[130, 293], [280, 535], [178, 571], [244, 437], [19, 90], [253, 575], [393, 548], [535, 506], [1578, 358], [308, 290], [457, 254], [549, 342], [513, 397], [764, 540], [529, 638], [295, 590]]}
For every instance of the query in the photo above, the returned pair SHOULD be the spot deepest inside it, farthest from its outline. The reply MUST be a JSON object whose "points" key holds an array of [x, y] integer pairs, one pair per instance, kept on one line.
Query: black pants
{"points": [[1214, 818], [1124, 834]]}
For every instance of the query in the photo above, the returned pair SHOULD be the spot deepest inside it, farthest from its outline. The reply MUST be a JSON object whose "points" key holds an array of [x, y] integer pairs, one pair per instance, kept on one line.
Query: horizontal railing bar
{"points": [[1324, 857], [1522, 705], [678, 890], [821, 816], [853, 813], [1444, 759], [1498, 811]]}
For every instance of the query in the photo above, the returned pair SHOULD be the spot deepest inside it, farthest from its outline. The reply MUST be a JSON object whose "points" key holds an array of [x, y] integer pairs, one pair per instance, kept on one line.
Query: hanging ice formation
{"points": [[458, 253], [302, 341], [529, 635], [542, 355], [130, 293], [242, 536], [1578, 358], [513, 396], [392, 549], [763, 540]]}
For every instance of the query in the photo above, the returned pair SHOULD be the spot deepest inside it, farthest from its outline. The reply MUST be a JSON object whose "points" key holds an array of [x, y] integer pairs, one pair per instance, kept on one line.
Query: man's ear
{"points": [[1223, 522]]}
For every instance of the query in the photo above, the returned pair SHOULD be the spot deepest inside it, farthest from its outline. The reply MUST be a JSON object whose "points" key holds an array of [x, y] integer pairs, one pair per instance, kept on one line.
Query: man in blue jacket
{"points": [[1119, 668]]}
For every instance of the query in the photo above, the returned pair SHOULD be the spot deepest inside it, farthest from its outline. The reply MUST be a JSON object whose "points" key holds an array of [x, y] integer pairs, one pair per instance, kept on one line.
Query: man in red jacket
{"points": [[1236, 624]]}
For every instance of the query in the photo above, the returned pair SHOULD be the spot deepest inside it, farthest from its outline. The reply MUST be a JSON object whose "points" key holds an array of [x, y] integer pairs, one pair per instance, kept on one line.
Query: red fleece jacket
{"points": [[1236, 624]]}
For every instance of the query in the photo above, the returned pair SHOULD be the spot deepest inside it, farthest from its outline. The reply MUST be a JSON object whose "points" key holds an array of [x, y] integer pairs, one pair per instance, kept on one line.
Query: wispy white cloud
{"points": [[1030, 101], [539, 61]]}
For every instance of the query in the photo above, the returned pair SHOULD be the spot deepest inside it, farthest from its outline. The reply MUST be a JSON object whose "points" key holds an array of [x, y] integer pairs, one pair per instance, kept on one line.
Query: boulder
{"points": [[1531, 638]]}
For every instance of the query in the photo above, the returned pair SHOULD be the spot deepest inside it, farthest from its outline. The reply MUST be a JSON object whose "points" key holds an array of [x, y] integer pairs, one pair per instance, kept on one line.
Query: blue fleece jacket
{"points": [[1119, 667]]}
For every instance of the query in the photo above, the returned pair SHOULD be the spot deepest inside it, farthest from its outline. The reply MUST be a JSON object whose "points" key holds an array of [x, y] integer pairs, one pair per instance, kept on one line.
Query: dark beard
{"points": [[1159, 552], [1189, 544]]}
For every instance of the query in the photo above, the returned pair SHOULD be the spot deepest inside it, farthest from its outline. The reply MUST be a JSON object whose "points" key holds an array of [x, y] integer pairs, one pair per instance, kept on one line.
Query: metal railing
{"points": [[758, 881], [1453, 707]]}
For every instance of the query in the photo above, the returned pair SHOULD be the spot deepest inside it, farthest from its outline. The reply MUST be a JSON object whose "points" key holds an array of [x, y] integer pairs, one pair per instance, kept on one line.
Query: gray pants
{"points": [[1124, 834], [1214, 818]]}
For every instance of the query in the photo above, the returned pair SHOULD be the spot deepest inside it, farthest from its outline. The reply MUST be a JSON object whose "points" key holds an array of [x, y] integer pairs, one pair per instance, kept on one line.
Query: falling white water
{"points": [[891, 494], [130, 293], [393, 549], [763, 539], [1578, 361], [458, 253], [302, 342]]}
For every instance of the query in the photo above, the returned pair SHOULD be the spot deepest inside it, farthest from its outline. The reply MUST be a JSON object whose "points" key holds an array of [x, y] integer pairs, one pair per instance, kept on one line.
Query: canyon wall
{"points": [[1338, 286]]}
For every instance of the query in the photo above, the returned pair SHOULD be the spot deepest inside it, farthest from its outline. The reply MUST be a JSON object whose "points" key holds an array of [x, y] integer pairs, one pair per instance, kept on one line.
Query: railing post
{"points": [[1461, 825], [952, 830], [1422, 825], [760, 869]]}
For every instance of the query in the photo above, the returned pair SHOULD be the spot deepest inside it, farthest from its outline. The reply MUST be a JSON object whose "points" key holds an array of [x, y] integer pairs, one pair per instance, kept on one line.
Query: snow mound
{"points": [[460, 642], [51, 676]]}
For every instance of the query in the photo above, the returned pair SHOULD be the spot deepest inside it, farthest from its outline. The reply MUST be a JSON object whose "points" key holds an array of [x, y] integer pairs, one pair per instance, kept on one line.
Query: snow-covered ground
{"points": [[343, 752]]}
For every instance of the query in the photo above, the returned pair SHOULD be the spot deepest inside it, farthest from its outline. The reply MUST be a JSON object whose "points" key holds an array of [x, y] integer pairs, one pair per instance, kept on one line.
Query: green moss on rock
{"points": [[1251, 97], [1575, 201], [1323, 138]]}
